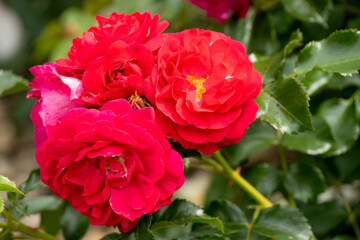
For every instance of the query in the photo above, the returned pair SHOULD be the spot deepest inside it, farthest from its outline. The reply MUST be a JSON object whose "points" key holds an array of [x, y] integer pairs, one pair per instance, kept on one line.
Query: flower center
{"points": [[115, 164], [199, 84]]}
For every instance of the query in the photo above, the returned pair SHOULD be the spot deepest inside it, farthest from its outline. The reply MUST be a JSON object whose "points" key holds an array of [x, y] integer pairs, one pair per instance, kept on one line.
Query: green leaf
{"points": [[318, 80], [50, 218], [340, 52], [283, 223], [311, 142], [340, 115], [304, 181], [209, 237], [357, 103], [215, 221], [325, 217], [181, 212], [263, 39], [2, 204], [276, 108], [8, 185], [32, 182], [143, 228], [343, 237], [116, 236], [270, 66], [230, 214], [264, 177], [348, 165], [39, 204], [304, 10], [259, 136], [11, 83], [73, 223]]}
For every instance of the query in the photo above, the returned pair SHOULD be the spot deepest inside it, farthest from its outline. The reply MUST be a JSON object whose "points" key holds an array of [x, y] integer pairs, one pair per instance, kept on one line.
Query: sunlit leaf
{"points": [[277, 106], [283, 223], [340, 52], [8, 185]]}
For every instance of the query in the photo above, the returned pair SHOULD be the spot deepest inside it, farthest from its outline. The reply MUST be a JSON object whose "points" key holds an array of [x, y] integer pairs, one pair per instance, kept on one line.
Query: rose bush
{"points": [[204, 87], [113, 164], [220, 9]]}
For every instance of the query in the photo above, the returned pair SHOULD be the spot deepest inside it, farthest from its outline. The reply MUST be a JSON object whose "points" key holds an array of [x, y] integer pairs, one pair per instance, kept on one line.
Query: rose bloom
{"points": [[204, 89], [220, 9], [120, 73], [133, 28], [55, 95], [114, 59], [112, 165]]}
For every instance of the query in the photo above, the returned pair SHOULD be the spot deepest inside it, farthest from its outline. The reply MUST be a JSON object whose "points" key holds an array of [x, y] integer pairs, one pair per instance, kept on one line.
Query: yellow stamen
{"points": [[199, 84]]}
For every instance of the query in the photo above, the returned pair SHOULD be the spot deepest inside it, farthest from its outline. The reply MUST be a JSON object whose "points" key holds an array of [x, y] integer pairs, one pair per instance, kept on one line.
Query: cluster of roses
{"points": [[103, 115]]}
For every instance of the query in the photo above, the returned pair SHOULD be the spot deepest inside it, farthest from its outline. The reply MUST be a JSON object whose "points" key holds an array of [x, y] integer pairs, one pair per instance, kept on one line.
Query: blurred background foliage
{"points": [[321, 175]]}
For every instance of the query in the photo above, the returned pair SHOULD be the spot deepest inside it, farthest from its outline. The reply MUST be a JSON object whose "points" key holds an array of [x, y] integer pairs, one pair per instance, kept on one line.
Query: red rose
{"points": [[55, 95], [204, 89], [118, 74], [113, 164], [220, 9], [138, 28]]}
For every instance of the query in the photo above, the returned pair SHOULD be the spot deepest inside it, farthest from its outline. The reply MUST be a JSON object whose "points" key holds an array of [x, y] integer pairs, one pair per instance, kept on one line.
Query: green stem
{"points": [[350, 212], [238, 179], [255, 216], [3, 225], [15, 225]]}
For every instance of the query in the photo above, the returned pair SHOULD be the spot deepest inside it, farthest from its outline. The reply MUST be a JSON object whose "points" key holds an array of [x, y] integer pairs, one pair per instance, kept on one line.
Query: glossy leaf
{"points": [[215, 221], [260, 135], [283, 223], [340, 115], [277, 106], [314, 142], [73, 223], [11, 83], [304, 181], [229, 213], [265, 178], [8, 185], [304, 10], [318, 80], [340, 52], [325, 217], [182, 212]]}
